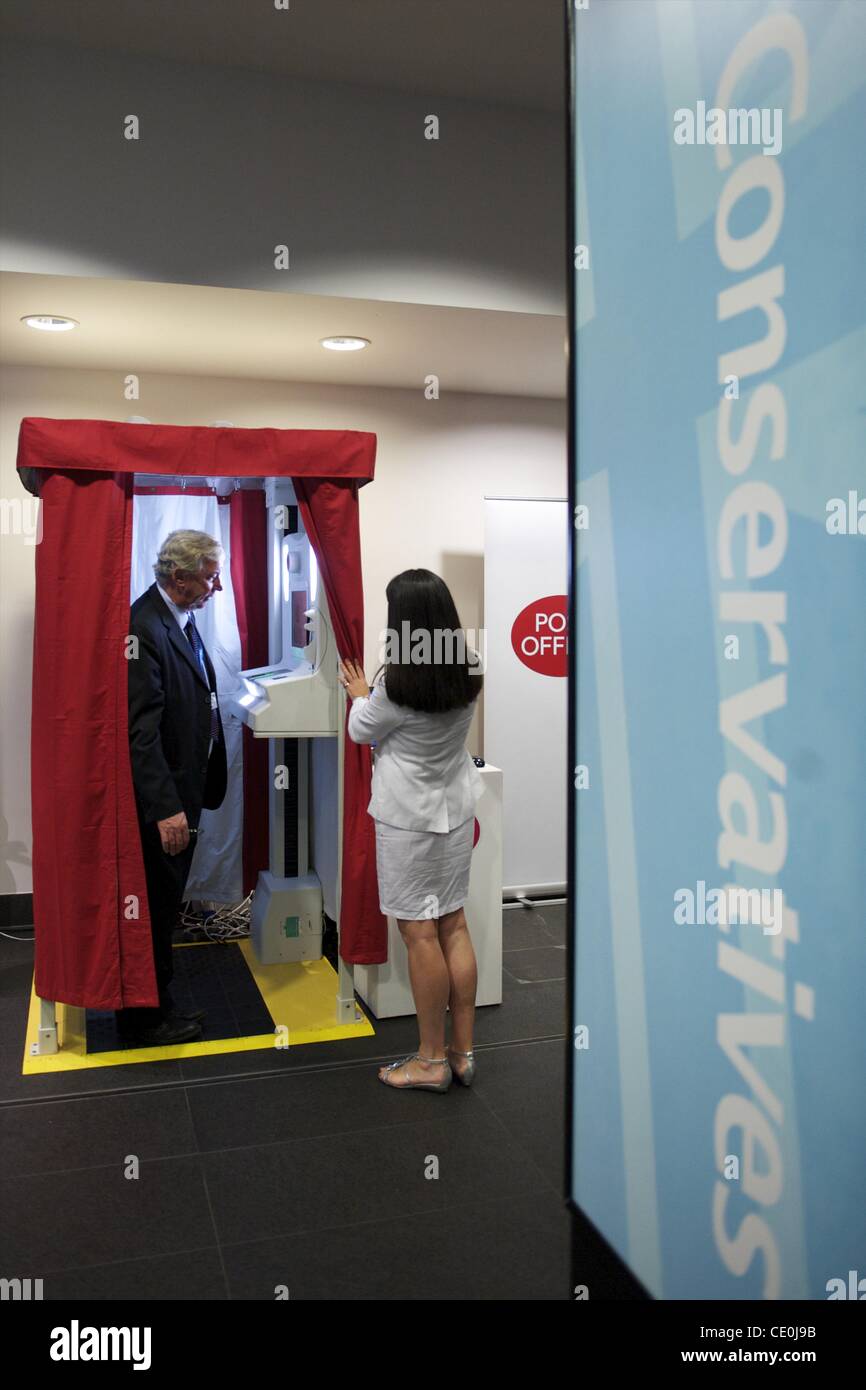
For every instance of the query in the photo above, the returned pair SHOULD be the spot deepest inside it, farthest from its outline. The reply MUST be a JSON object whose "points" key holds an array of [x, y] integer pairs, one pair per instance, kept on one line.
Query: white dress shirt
{"points": [[423, 776], [180, 615]]}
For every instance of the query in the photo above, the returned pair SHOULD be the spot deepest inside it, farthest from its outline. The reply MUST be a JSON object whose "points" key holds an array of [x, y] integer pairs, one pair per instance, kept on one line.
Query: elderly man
{"points": [[178, 756]]}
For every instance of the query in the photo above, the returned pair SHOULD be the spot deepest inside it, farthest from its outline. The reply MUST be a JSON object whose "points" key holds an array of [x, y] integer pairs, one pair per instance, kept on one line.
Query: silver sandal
{"points": [[409, 1085], [464, 1077]]}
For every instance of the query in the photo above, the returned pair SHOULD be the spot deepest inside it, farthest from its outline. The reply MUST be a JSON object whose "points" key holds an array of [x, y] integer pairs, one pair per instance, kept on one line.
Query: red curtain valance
{"points": [[194, 451], [87, 865]]}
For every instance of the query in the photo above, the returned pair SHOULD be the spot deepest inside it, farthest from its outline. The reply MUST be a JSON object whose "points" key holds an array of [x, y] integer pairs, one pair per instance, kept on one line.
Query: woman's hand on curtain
{"points": [[354, 680]]}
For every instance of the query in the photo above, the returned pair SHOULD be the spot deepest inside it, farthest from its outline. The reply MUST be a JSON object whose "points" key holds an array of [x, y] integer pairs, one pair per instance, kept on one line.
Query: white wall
{"points": [[232, 162], [436, 461]]}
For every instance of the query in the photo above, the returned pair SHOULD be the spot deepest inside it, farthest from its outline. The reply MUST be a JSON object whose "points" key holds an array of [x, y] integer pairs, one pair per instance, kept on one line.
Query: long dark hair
{"points": [[438, 679]]}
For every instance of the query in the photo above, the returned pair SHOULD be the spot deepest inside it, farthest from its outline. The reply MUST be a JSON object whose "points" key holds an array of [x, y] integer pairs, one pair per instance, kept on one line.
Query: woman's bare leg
{"points": [[462, 968], [428, 976]]}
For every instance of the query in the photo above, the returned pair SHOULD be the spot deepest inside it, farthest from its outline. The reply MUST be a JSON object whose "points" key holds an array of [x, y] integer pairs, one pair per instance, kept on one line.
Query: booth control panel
{"points": [[297, 701]]}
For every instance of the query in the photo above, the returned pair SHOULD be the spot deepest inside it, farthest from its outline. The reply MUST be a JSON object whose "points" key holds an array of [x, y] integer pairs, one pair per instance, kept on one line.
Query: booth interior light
{"points": [[287, 580]]}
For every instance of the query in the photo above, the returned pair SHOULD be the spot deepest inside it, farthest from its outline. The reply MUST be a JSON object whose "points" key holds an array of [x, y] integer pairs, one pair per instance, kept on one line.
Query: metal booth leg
{"points": [[47, 1035]]}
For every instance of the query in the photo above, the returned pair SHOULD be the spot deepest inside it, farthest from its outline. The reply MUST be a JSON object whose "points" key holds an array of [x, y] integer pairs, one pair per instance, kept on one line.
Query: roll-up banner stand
{"points": [[717, 686], [525, 706]]}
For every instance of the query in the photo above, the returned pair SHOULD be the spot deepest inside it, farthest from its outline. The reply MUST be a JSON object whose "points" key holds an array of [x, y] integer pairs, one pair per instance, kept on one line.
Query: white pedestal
{"points": [[385, 989]]}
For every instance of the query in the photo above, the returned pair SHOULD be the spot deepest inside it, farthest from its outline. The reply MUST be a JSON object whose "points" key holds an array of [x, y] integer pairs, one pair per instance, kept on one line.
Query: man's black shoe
{"points": [[174, 1013], [164, 1034]]}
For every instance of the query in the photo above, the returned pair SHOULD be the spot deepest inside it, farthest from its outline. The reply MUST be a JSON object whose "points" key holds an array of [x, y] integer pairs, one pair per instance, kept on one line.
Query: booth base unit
{"points": [[385, 989], [286, 918]]}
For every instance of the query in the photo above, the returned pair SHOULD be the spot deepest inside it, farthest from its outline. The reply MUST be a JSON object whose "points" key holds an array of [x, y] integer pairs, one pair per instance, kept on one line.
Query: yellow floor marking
{"points": [[301, 999]]}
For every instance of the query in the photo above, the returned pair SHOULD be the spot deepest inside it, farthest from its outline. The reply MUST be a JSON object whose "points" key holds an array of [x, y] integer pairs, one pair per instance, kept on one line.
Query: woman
{"points": [[425, 790]]}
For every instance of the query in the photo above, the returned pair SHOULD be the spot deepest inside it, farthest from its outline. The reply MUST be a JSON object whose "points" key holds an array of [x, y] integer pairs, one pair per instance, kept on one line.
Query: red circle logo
{"points": [[539, 635], [476, 833]]}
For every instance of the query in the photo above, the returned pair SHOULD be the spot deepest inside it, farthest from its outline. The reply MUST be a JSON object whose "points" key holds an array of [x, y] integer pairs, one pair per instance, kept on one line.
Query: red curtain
{"points": [[92, 928], [249, 562], [330, 513], [93, 944]]}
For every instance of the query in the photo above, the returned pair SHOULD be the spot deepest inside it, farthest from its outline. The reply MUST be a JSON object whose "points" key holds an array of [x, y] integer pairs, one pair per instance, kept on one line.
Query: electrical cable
{"points": [[215, 921]]}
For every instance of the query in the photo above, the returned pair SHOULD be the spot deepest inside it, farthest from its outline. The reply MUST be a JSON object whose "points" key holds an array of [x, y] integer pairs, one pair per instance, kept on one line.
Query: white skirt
{"points": [[423, 874]]}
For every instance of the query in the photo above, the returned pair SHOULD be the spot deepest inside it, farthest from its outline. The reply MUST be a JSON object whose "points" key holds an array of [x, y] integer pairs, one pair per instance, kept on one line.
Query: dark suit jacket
{"points": [[169, 719]]}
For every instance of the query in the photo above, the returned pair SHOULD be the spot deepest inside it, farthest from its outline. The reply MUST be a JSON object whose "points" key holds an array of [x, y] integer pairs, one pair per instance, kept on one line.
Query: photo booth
{"points": [[293, 826], [287, 515]]}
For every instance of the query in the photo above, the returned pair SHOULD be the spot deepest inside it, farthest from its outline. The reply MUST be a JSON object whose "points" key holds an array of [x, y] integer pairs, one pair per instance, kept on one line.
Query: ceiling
{"points": [[202, 330], [507, 52]]}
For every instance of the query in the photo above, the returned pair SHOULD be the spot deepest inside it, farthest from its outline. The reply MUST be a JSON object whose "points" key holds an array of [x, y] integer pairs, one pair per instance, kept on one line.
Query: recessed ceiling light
{"points": [[345, 344], [49, 323]]}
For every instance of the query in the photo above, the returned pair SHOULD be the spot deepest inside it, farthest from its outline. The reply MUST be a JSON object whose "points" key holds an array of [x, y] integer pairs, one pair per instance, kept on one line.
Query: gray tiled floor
{"points": [[223, 1177]]}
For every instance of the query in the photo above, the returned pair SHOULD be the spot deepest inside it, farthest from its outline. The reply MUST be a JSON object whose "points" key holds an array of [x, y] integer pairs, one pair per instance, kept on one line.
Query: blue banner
{"points": [[718, 699]]}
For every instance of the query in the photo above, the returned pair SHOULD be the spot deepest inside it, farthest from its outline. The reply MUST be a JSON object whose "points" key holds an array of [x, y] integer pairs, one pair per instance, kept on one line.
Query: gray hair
{"points": [[185, 550]]}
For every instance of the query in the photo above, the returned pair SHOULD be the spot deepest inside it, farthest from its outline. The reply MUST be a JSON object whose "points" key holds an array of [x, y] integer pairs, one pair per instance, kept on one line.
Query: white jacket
{"points": [[423, 777]]}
